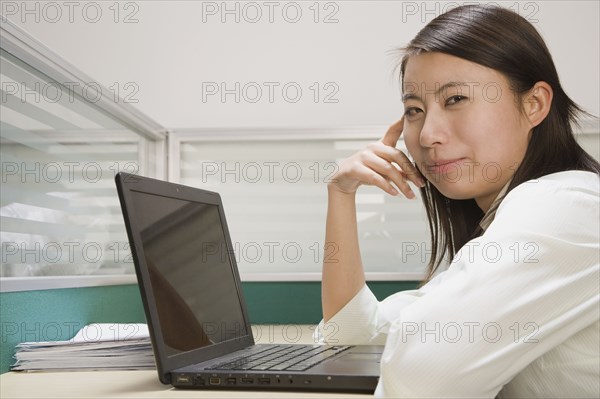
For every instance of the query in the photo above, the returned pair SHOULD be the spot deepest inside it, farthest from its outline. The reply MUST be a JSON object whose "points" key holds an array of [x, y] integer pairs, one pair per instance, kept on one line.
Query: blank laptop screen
{"points": [[190, 270]]}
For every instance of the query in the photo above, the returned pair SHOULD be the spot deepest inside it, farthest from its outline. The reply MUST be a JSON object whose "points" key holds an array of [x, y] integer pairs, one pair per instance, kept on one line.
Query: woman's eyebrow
{"points": [[413, 96]]}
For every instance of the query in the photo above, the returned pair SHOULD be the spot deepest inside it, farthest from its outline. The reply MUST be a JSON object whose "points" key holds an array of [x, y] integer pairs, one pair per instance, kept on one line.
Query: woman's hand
{"points": [[375, 165]]}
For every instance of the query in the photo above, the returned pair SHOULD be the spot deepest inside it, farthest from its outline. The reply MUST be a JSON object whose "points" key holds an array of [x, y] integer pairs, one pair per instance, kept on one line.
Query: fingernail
{"points": [[421, 183], [394, 191], [411, 195]]}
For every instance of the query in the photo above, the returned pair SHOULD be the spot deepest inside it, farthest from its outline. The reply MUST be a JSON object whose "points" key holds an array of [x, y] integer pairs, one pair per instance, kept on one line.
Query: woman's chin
{"points": [[455, 190]]}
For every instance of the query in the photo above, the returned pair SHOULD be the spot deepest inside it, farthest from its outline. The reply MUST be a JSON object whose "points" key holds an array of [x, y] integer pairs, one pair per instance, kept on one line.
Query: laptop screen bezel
{"points": [[165, 363]]}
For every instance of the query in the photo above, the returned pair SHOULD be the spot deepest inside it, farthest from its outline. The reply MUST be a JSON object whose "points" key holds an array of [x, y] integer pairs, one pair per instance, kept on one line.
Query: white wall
{"points": [[169, 52]]}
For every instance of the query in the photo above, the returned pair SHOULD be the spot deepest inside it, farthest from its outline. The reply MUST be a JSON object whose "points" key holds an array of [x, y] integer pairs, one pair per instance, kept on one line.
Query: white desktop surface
{"points": [[145, 383]]}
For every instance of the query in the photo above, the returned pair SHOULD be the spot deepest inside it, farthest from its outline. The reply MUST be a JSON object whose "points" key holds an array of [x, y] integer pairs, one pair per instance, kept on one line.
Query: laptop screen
{"points": [[190, 271]]}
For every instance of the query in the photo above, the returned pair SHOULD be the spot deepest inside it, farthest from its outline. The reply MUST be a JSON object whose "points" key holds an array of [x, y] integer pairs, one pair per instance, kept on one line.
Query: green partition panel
{"points": [[50, 315]]}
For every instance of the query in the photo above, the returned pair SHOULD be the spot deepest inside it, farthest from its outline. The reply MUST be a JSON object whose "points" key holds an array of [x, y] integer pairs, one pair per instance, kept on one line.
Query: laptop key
{"points": [[281, 366], [262, 367]]}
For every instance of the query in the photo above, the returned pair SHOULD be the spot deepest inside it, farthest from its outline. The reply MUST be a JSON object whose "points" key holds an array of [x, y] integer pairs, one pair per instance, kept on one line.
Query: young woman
{"points": [[513, 202]]}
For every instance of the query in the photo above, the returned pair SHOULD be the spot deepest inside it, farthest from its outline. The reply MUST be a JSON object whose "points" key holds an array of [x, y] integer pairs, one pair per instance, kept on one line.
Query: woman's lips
{"points": [[445, 166]]}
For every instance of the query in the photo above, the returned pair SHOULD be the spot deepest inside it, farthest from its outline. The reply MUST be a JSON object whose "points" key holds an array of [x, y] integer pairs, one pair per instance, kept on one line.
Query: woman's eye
{"points": [[412, 111], [455, 99]]}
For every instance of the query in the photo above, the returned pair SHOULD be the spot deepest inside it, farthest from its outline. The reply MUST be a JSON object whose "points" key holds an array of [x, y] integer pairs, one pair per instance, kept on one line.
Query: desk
{"points": [[145, 383]]}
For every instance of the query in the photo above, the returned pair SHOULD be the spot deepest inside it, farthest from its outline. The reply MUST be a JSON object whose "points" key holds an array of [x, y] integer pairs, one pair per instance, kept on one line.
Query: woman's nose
{"points": [[433, 131]]}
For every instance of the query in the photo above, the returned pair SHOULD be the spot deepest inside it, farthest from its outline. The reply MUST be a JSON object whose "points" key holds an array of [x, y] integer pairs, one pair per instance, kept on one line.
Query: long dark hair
{"points": [[500, 39]]}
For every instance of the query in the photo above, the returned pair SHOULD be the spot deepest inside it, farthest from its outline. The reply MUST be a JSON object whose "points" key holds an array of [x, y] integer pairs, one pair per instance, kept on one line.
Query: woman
{"points": [[511, 199]]}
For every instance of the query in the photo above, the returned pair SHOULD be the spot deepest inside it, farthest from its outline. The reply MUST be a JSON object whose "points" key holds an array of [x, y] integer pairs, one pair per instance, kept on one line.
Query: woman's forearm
{"points": [[343, 274], [376, 165]]}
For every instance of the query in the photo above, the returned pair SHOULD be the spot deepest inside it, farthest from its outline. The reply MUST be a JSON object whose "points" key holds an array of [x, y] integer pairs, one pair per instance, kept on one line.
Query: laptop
{"points": [[195, 308]]}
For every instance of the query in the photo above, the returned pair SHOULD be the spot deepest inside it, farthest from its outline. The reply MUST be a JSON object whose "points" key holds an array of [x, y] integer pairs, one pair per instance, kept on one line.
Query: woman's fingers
{"points": [[380, 164], [391, 154], [388, 172], [386, 148], [372, 178], [390, 138]]}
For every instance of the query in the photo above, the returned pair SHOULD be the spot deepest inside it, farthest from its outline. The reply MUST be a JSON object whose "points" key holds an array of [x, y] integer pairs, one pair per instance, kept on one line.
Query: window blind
{"points": [[275, 199]]}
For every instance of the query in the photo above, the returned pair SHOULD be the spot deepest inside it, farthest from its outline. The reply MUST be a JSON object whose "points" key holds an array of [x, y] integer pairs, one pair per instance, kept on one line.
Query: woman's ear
{"points": [[537, 103]]}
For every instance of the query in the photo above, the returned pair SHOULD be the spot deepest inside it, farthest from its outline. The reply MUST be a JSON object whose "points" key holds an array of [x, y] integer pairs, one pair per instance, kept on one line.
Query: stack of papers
{"points": [[96, 346]]}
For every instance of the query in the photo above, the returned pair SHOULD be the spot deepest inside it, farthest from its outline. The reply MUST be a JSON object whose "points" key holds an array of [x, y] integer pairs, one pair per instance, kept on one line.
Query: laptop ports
{"points": [[199, 381], [214, 381], [230, 381], [264, 381], [246, 380], [183, 379]]}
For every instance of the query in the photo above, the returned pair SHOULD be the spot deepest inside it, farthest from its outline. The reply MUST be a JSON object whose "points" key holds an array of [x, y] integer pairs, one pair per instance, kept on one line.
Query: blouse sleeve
{"points": [[366, 321], [525, 286]]}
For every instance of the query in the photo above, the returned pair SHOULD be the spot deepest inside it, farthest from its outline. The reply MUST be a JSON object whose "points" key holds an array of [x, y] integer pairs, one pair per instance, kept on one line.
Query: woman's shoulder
{"points": [[557, 202], [570, 183], [574, 179]]}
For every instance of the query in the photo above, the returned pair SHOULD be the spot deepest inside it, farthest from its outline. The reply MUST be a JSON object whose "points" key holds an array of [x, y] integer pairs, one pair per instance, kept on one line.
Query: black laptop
{"points": [[195, 308]]}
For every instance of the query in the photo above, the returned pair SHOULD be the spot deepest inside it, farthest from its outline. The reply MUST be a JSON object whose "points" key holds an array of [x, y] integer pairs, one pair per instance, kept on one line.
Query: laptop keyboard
{"points": [[282, 357]]}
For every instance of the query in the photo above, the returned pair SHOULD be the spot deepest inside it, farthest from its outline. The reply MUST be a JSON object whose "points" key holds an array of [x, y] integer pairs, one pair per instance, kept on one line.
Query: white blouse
{"points": [[516, 314]]}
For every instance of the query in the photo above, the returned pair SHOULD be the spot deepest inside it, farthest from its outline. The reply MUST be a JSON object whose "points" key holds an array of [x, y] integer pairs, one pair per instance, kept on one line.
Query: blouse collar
{"points": [[488, 217]]}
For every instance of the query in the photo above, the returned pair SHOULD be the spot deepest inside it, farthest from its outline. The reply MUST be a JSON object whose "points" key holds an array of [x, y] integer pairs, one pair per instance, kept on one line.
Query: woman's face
{"points": [[462, 126]]}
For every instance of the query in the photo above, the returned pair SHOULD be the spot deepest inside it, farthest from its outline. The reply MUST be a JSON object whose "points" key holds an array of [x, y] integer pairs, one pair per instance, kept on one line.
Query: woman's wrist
{"points": [[334, 190]]}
